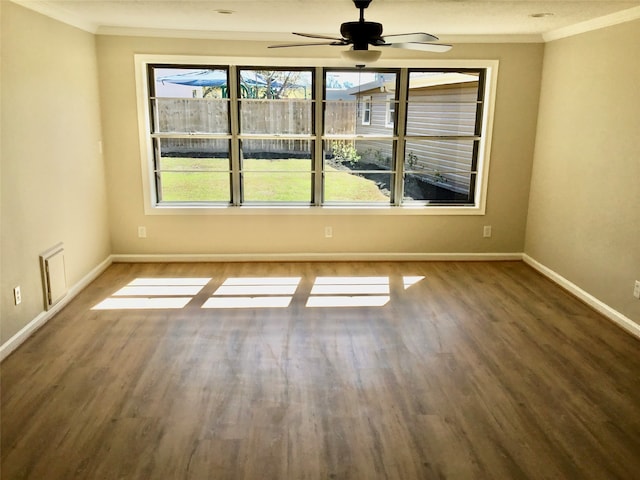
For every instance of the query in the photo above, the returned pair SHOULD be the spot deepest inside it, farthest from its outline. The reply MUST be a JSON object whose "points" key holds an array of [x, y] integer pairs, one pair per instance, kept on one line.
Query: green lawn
{"points": [[287, 180]]}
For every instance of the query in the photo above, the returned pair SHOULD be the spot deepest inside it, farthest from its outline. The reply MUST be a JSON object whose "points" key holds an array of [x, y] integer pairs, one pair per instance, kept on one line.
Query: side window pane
{"points": [[358, 171], [439, 170], [358, 148], [192, 170], [276, 170], [341, 116], [442, 103], [276, 102], [276, 117], [189, 100], [358, 102]]}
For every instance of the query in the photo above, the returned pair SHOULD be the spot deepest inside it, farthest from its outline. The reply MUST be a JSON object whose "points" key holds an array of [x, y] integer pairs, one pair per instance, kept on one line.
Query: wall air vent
{"points": [[54, 280]]}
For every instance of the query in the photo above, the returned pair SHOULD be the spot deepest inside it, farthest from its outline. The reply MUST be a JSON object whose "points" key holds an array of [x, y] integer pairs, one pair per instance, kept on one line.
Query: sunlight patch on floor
{"points": [[410, 280], [154, 293], [142, 303], [348, 301], [254, 292], [349, 292], [247, 302]]}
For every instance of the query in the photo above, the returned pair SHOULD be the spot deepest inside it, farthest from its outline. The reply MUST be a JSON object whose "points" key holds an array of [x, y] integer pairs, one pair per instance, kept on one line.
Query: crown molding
{"points": [[622, 16], [284, 37], [55, 11], [58, 13], [194, 34], [492, 38]]}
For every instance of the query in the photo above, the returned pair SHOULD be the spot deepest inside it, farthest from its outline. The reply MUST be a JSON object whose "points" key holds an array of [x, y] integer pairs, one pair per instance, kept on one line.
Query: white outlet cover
{"points": [[17, 296]]}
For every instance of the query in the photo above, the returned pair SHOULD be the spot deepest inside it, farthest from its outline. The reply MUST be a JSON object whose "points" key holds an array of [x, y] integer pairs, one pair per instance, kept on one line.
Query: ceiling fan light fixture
{"points": [[361, 56]]}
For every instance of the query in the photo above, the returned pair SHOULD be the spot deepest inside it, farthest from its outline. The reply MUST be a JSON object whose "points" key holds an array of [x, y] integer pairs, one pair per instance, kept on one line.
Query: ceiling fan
{"points": [[362, 33]]}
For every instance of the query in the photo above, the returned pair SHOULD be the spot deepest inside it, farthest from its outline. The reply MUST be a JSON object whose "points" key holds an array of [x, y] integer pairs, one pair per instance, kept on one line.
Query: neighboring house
{"points": [[441, 104]]}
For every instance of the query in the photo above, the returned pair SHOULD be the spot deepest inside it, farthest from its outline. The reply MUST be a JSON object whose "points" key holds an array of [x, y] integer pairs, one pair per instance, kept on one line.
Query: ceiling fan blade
{"points": [[325, 37], [411, 37], [363, 33], [309, 44], [425, 47]]}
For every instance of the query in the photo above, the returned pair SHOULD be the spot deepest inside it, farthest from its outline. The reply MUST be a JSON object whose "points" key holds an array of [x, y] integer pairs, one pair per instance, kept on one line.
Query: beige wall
{"points": [[584, 213], [53, 186], [513, 141]]}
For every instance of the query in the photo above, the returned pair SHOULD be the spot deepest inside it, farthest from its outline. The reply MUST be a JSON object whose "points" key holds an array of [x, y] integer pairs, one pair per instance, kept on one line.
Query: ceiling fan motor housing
{"points": [[362, 3], [362, 34]]}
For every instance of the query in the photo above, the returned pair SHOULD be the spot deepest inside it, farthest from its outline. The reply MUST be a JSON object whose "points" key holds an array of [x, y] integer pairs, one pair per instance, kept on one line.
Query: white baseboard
{"points": [[316, 257], [598, 305], [28, 330]]}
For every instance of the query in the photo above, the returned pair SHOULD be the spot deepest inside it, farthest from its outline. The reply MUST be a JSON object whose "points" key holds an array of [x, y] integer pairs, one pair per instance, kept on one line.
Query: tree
{"points": [[278, 82]]}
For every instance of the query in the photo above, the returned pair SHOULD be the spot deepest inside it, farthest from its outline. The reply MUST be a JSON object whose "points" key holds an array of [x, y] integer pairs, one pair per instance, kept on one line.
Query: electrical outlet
{"points": [[636, 289], [142, 232], [17, 295], [486, 231], [328, 232]]}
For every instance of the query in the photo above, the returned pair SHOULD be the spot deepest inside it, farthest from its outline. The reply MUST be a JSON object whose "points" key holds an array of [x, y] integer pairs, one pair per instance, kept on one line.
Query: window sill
{"points": [[325, 210]]}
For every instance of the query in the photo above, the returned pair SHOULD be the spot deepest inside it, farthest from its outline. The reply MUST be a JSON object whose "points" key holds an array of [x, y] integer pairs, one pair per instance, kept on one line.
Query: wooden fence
{"points": [[292, 118]]}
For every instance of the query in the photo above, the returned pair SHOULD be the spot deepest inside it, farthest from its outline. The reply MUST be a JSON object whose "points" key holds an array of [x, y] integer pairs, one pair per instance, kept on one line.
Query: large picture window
{"points": [[233, 136]]}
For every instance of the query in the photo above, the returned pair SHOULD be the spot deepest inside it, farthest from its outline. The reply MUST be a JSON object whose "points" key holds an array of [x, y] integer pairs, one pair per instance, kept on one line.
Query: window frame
{"points": [[475, 137], [152, 207], [240, 192], [367, 107], [158, 136], [390, 113]]}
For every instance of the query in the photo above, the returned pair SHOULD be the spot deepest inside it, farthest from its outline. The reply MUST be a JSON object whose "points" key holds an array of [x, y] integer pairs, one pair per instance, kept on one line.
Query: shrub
{"points": [[344, 151]]}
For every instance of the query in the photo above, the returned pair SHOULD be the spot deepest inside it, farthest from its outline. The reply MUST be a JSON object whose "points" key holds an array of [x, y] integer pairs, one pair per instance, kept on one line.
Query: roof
{"points": [[438, 79]]}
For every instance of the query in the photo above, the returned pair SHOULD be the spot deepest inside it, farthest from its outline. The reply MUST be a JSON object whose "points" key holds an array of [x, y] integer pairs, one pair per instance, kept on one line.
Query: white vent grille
{"points": [[54, 280]]}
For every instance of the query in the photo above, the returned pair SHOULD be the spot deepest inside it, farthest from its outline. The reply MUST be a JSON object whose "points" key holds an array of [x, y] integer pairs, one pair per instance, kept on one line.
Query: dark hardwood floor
{"points": [[455, 370]]}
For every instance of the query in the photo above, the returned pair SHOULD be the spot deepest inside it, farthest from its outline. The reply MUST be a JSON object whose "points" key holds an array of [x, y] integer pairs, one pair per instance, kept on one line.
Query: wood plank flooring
{"points": [[466, 371]]}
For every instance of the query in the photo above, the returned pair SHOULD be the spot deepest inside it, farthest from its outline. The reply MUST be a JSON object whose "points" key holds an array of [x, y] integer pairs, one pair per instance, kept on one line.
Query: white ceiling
{"points": [[273, 20]]}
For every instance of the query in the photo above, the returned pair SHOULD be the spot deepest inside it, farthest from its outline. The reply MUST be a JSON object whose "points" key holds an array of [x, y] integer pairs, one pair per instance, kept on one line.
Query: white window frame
{"points": [[366, 109], [151, 207], [390, 113]]}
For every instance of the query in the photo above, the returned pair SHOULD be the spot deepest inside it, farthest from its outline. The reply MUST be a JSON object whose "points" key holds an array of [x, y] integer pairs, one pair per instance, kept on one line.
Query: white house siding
{"points": [[375, 151], [442, 110]]}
